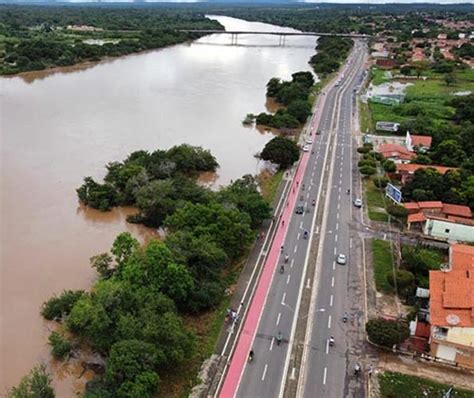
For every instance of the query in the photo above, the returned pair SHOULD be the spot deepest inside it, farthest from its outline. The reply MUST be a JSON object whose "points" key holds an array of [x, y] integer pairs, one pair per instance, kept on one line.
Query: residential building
{"points": [[420, 143], [405, 171], [452, 308], [452, 229], [395, 152]]}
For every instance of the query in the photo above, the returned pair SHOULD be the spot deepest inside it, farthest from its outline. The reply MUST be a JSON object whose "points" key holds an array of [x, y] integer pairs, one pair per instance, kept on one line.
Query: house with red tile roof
{"points": [[452, 308], [420, 143], [405, 171], [395, 152]]}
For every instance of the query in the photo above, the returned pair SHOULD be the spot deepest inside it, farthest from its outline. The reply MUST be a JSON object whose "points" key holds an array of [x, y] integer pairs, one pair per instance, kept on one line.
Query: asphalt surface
{"points": [[326, 367]]}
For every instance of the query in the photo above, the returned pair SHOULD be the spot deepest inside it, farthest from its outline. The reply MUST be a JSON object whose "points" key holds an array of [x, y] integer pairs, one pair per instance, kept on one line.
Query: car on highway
{"points": [[358, 203], [306, 148], [341, 259], [299, 209]]}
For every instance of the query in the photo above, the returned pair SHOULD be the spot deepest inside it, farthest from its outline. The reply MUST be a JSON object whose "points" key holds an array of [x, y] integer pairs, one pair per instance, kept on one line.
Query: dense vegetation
{"points": [[399, 19], [133, 315], [39, 37], [294, 96], [332, 51], [386, 332], [154, 182], [36, 384], [281, 151]]}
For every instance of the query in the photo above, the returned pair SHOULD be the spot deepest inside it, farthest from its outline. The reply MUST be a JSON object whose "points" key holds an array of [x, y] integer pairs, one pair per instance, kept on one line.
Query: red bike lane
{"points": [[247, 335]]}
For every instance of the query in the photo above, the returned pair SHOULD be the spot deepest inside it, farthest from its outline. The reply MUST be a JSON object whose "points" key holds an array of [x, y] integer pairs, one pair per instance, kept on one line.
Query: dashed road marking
{"points": [[296, 248], [329, 322], [288, 279], [278, 319], [284, 297], [332, 282], [331, 299], [265, 372]]}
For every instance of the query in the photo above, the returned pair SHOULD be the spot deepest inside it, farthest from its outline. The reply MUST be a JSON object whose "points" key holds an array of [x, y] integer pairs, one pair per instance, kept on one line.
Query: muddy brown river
{"points": [[59, 126]]}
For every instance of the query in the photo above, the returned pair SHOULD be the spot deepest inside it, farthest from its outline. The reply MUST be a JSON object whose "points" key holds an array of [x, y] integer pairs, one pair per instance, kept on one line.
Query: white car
{"points": [[309, 140], [341, 259], [358, 203], [306, 148]]}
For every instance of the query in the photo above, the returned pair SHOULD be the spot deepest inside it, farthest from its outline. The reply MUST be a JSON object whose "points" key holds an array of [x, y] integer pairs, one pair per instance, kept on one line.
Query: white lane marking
{"points": [[335, 238], [312, 174], [296, 248], [332, 282], [284, 297], [308, 283], [338, 205], [331, 299], [333, 265], [271, 344], [278, 318], [339, 190], [335, 251], [329, 322], [324, 375], [264, 372], [288, 279], [309, 188], [301, 224], [298, 236], [337, 216], [337, 224], [327, 346], [292, 263], [350, 243]]}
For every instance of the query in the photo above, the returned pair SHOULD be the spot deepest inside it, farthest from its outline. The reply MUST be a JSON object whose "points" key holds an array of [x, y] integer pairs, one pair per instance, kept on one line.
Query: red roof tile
{"points": [[411, 206], [452, 298], [421, 140], [412, 167], [461, 257], [417, 217], [430, 204], [457, 210]]}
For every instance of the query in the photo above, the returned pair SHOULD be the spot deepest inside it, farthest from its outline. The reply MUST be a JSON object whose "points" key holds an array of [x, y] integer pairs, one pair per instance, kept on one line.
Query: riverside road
{"points": [[319, 185]]}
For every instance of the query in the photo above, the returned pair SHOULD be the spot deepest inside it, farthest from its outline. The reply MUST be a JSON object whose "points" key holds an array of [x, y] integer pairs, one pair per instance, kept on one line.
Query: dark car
{"points": [[299, 209]]}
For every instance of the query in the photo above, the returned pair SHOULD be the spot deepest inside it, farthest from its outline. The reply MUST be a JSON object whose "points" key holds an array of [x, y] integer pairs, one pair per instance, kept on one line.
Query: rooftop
{"points": [[412, 167], [421, 140], [461, 257], [457, 210]]}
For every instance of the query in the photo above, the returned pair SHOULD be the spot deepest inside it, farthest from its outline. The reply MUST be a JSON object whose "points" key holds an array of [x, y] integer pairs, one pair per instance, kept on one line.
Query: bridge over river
{"points": [[235, 33]]}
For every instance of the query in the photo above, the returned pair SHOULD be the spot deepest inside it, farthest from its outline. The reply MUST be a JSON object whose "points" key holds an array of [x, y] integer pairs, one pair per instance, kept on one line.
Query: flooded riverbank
{"points": [[59, 127]]}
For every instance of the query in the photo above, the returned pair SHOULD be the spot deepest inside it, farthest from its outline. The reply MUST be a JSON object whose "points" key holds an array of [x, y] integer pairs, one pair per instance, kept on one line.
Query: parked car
{"points": [[341, 259], [306, 148], [358, 203], [309, 140]]}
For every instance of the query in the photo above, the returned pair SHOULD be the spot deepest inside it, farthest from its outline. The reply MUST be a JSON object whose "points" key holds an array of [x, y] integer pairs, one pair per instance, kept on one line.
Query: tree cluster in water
{"points": [[294, 95], [133, 314]]}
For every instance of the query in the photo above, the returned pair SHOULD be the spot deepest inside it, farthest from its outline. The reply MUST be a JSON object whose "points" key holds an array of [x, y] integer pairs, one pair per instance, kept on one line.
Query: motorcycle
{"points": [[250, 356], [282, 269], [344, 317], [279, 338]]}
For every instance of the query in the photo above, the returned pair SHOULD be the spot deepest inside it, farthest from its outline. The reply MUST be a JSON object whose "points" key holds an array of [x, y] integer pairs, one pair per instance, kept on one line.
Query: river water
{"points": [[59, 126]]}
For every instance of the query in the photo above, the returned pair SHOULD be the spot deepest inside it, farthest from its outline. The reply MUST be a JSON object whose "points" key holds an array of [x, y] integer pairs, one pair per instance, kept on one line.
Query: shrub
{"points": [[56, 307], [60, 346], [405, 282], [387, 332], [397, 210], [367, 170], [37, 384], [389, 166], [380, 182]]}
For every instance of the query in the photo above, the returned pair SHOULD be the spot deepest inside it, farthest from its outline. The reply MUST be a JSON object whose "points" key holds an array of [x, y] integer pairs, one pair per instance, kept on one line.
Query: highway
{"points": [[320, 185]]}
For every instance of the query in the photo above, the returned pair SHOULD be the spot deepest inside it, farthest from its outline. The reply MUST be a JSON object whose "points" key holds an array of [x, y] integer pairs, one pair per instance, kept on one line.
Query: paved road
{"points": [[330, 158], [328, 370]]}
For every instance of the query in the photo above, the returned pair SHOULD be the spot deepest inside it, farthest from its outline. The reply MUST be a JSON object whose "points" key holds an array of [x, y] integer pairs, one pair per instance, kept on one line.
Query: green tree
{"points": [[123, 247], [244, 195], [386, 332], [389, 166], [57, 307], [156, 201], [281, 151], [102, 264], [37, 384], [97, 196], [300, 109], [60, 346], [367, 170], [449, 79], [405, 282]]}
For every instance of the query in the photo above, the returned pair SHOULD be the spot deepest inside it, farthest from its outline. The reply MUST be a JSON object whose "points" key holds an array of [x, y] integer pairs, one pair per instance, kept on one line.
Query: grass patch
{"points": [[377, 216], [379, 76], [382, 264], [398, 385], [365, 118], [269, 184], [373, 196]]}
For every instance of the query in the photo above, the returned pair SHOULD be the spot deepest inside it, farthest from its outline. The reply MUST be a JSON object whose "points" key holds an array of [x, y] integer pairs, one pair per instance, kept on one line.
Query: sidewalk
{"points": [[429, 370]]}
